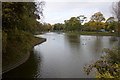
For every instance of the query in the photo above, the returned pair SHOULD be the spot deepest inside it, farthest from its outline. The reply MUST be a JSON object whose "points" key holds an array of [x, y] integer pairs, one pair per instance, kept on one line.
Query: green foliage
{"points": [[92, 33], [82, 18], [46, 27], [97, 17], [13, 13], [110, 20], [94, 25], [108, 66], [19, 15], [97, 23], [19, 43], [113, 55], [4, 41], [18, 24], [58, 26], [73, 24]]}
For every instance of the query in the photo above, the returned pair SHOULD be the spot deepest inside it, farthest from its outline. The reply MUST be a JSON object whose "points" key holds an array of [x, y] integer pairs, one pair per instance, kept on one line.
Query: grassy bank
{"points": [[19, 25], [93, 33], [17, 45]]}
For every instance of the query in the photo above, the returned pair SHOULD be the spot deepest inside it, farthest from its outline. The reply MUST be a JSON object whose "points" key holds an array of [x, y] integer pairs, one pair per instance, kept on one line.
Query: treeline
{"points": [[19, 25], [21, 16], [97, 22]]}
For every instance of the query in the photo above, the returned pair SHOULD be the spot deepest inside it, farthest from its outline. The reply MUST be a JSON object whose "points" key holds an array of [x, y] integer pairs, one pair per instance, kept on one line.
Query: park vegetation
{"points": [[80, 24], [97, 23], [109, 64], [19, 25]]}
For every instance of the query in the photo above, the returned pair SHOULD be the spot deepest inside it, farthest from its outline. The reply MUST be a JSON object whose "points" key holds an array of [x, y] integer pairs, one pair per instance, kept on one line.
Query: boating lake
{"points": [[63, 55]]}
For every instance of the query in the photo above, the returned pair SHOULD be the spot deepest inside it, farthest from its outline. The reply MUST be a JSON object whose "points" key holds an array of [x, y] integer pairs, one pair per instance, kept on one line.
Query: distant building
{"points": [[102, 30]]}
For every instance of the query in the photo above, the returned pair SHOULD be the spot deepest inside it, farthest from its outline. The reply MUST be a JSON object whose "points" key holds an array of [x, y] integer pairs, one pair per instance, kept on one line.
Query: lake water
{"points": [[63, 55]]}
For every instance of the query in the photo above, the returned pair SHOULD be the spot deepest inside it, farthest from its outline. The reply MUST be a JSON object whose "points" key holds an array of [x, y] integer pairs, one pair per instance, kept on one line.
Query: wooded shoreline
{"points": [[21, 60], [95, 33]]}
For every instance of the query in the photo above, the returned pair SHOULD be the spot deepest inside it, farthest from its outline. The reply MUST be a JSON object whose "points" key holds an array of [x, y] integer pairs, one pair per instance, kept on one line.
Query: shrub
{"points": [[108, 66]]}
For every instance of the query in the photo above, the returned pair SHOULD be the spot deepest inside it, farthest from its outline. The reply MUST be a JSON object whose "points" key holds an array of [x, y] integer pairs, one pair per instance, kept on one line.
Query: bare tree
{"points": [[39, 8], [116, 10]]}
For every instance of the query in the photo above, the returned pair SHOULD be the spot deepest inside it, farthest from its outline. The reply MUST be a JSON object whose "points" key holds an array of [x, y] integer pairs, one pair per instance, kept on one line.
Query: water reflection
{"points": [[63, 56], [73, 42], [27, 70]]}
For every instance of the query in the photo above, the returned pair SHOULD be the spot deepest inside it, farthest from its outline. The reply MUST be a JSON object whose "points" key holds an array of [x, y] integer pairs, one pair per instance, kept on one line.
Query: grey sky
{"points": [[58, 11]]}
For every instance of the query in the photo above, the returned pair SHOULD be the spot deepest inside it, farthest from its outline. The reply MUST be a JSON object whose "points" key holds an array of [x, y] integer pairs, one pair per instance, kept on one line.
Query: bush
{"points": [[108, 66]]}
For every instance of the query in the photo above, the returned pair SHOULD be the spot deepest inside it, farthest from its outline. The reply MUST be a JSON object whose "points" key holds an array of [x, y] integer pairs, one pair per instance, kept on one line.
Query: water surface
{"points": [[63, 55]]}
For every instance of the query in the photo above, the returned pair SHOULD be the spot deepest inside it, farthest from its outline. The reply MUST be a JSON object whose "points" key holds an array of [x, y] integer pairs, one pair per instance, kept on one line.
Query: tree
{"points": [[74, 23], [110, 20], [58, 26], [82, 18], [19, 15], [94, 26], [18, 26], [111, 24], [116, 11], [96, 20], [39, 9], [97, 17]]}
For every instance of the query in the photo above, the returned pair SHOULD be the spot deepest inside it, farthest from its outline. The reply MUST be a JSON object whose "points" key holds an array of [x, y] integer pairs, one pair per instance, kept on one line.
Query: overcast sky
{"points": [[58, 11]]}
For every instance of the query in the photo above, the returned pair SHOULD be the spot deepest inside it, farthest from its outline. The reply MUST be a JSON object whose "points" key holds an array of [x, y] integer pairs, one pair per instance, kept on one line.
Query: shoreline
{"points": [[94, 34], [99, 35], [21, 60]]}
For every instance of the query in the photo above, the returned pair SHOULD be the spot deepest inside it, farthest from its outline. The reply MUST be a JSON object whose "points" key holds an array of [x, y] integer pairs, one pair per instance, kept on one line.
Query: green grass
{"points": [[17, 45], [93, 33]]}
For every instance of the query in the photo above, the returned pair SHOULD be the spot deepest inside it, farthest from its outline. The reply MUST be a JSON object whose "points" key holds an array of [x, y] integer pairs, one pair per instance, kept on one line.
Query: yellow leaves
{"points": [[116, 65], [95, 25], [105, 75], [109, 66], [108, 74], [98, 75]]}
